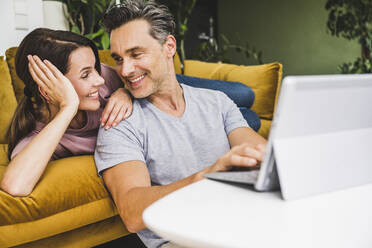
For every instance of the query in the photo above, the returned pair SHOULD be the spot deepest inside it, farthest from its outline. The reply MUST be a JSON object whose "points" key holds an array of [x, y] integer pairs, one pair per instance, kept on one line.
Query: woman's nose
{"points": [[99, 81]]}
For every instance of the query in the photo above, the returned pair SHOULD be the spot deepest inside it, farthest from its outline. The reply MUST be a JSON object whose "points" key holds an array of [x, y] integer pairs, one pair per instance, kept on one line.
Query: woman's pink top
{"points": [[83, 140]]}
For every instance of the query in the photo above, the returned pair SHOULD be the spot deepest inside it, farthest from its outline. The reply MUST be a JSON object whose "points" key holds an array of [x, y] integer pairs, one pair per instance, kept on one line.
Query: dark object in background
{"points": [[131, 240]]}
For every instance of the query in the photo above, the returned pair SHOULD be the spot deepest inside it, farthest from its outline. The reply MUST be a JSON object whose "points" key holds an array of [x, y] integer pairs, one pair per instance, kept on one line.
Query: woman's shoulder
{"points": [[112, 81], [109, 74]]}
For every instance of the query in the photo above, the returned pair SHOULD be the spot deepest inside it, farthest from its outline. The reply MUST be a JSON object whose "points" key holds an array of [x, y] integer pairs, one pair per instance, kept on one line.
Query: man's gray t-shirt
{"points": [[172, 147]]}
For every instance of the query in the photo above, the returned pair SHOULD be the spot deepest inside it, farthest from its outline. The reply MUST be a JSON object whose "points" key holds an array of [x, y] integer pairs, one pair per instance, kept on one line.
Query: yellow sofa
{"points": [[70, 206]]}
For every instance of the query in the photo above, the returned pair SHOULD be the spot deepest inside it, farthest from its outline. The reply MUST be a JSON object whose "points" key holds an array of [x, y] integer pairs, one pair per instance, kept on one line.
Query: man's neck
{"points": [[169, 98]]}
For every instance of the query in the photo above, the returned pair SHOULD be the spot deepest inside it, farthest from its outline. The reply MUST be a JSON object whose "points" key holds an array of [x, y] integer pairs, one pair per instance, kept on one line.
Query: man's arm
{"points": [[130, 187], [246, 135]]}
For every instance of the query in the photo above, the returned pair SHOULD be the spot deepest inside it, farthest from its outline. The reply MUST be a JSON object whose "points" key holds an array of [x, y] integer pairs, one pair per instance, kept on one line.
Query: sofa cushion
{"points": [[66, 183], [263, 79], [4, 154], [105, 57], [8, 102], [87, 236], [69, 189], [18, 84], [264, 130]]}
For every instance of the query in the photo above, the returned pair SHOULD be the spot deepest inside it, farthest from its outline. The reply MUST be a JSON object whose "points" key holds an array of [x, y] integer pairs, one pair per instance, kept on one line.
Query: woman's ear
{"points": [[170, 45], [44, 94]]}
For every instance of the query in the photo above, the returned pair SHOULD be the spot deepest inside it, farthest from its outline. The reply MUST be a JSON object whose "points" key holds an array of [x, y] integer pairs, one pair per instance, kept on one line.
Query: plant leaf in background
{"points": [[352, 20], [105, 41], [210, 51], [84, 18], [75, 29]]}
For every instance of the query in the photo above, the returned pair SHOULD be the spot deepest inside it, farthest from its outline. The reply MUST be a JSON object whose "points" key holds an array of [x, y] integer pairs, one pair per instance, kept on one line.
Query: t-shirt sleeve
{"points": [[118, 145], [20, 145], [24, 142], [112, 83], [232, 116]]}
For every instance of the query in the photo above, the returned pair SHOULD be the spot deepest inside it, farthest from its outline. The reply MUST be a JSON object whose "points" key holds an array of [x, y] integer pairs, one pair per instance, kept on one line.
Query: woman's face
{"points": [[84, 77]]}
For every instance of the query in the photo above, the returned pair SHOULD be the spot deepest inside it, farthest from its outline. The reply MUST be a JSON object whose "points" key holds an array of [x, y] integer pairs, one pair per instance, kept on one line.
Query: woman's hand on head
{"points": [[53, 85], [118, 108]]}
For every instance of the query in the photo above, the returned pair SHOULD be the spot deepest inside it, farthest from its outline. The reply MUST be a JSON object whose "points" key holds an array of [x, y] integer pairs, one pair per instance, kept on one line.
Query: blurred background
{"points": [[307, 37]]}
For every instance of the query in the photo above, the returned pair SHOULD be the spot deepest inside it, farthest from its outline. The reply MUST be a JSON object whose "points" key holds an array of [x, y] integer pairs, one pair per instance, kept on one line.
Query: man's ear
{"points": [[170, 45], [43, 93]]}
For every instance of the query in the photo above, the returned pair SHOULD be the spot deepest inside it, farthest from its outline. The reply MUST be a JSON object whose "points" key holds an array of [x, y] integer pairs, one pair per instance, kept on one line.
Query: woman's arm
{"points": [[26, 168]]}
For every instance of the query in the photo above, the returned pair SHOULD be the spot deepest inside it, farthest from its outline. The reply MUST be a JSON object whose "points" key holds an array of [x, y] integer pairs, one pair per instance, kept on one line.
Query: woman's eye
{"points": [[85, 75]]}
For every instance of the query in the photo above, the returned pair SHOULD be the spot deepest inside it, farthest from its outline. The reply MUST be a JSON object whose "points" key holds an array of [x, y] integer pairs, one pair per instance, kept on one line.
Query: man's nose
{"points": [[127, 68]]}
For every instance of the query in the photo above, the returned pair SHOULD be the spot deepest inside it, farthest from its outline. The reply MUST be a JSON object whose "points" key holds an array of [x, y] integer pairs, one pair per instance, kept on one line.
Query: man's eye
{"points": [[136, 55], [118, 60]]}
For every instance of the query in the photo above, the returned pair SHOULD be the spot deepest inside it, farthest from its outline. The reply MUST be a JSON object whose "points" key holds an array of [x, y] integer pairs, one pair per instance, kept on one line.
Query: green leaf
{"points": [[75, 29], [224, 38], [105, 41], [94, 35], [183, 27]]}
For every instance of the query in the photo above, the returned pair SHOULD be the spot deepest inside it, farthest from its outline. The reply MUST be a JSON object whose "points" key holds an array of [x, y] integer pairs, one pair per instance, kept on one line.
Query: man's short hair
{"points": [[157, 15]]}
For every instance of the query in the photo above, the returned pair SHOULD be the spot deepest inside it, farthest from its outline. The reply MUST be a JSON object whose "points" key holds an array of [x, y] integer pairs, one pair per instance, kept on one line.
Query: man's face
{"points": [[141, 61]]}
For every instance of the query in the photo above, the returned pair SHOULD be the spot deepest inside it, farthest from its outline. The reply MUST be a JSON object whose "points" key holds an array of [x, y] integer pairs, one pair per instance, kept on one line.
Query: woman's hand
{"points": [[54, 86], [118, 108]]}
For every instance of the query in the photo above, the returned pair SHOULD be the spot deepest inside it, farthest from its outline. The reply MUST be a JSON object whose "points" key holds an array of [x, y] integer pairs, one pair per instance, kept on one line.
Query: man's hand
{"points": [[241, 155], [118, 108]]}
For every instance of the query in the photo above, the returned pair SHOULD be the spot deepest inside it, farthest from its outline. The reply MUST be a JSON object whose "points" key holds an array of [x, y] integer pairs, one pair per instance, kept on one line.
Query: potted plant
{"points": [[352, 20], [84, 18]]}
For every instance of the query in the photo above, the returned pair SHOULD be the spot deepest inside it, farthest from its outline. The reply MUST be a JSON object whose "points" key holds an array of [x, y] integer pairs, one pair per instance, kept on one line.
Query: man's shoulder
{"points": [[202, 94], [137, 117], [133, 127]]}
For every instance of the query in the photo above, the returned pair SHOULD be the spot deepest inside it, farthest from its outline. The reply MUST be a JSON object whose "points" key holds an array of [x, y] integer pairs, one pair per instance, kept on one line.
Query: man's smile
{"points": [[135, 81]]}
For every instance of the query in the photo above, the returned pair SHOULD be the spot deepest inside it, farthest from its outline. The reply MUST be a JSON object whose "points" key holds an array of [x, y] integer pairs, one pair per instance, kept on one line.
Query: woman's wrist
{"points": [[70, 110]]}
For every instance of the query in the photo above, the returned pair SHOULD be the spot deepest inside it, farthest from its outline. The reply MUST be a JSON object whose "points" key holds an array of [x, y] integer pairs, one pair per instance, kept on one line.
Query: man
{"points": [[176, 133]]}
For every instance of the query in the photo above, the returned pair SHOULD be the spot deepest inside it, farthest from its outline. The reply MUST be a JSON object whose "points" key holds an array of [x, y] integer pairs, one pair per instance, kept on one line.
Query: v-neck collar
{"points": [[169, 116]]}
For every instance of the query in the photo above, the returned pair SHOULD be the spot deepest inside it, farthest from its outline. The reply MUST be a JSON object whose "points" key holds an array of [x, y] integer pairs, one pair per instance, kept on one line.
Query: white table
{"points": [[214, 214]]}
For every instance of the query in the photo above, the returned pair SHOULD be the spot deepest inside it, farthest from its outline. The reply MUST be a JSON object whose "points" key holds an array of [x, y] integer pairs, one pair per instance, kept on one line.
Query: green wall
{"points": [[292, 32]]}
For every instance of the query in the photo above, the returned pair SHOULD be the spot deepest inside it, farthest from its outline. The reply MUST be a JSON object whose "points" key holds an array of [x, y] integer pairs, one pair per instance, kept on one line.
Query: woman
{"points": [[61, 111]]}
